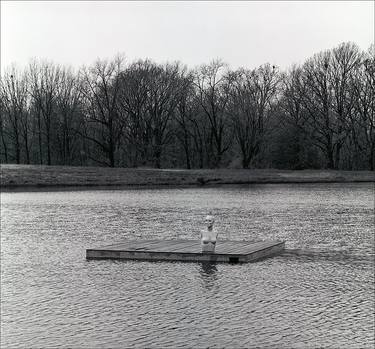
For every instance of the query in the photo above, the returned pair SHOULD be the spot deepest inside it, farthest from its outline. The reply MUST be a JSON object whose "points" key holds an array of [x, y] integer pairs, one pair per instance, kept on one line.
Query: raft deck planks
{"points": [[187, 251]]}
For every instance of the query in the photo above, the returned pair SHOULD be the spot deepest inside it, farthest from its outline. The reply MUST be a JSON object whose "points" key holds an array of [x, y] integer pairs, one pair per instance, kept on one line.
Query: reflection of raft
{"points": [[187, 251]]}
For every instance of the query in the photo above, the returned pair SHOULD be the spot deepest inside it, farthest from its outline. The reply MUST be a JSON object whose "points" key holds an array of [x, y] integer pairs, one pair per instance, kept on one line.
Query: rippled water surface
{"points": [[319, 293]]}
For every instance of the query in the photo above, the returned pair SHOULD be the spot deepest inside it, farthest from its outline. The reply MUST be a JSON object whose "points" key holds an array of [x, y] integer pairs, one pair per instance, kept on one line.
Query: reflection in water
{"points": [[208, 272], [348, 256], [319, 293]]}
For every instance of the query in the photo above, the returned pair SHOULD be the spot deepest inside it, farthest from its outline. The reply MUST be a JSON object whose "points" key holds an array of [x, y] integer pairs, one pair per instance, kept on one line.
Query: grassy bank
{"points": [[25, 177]]}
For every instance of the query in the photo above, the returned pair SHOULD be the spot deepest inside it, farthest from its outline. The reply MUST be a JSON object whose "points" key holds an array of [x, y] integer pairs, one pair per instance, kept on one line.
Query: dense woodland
{"points": [[130, 114]]}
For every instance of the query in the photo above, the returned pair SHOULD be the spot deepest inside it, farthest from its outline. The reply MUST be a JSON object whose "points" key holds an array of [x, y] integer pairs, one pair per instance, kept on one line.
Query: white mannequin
{"points": [[209, 236]]}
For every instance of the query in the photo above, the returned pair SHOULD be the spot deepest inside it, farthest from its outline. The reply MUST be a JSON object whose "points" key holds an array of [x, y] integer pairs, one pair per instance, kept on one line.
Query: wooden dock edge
{"points": [[186, 257], [267, 252]]}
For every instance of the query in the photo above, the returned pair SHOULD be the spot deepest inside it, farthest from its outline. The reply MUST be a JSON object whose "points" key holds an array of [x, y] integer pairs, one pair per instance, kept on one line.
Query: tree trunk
{"points": [[17, 140], [5, 146], [40, 140], [337, 156], [48, 149], [188, 161], [372, 157], [187, 151], [330, 160], [111, 154], [245, 162], [27, 150], [157, 156], [18, 151]]}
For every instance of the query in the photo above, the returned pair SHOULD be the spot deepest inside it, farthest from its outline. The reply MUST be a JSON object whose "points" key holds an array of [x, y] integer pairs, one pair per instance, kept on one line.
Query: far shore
{"points": [[36, 177]]}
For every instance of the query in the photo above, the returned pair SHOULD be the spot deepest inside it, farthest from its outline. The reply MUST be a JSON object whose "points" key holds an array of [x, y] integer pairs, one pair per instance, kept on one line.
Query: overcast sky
{"points": [[241, 33]]}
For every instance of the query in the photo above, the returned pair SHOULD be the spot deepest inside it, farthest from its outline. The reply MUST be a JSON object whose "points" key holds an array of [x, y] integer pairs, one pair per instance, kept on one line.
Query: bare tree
{"points": [[14, 94], [317, 99], [143, 113], [363, 117], [328, 98], [165, 89], [45, 80], [252, 97], [187, 109], [3, 132], [213, 85], [100, 89], [134, 95], [4, 122], [294, 118], [343, 67], [69, 109], [292, 97]]}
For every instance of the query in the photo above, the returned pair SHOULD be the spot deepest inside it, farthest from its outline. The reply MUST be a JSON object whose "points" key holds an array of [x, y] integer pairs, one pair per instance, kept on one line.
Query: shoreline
{"points": [[18, 178], [59, 188]]}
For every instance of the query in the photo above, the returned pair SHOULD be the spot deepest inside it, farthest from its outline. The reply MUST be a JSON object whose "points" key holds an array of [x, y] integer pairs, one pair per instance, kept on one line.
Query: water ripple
{"points": [[319, 293]]}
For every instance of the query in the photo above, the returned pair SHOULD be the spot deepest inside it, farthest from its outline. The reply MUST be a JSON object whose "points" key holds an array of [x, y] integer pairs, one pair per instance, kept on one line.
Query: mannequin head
{"points": [[209, 220]]}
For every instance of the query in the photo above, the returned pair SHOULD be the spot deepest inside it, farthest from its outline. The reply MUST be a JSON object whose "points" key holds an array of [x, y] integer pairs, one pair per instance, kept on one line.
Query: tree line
{"points": [[319, 114]]}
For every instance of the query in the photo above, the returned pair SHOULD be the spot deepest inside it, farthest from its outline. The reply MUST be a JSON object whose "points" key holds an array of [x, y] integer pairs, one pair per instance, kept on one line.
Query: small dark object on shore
{"points": [[202, 181]]}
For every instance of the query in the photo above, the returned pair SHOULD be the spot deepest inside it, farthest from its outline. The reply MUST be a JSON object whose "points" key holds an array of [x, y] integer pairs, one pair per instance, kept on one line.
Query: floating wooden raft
{"points": [[187, 251]]}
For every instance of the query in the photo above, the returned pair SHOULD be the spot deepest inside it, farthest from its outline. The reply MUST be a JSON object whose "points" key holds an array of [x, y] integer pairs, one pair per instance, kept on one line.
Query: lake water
{"points": [[319, 293]]}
